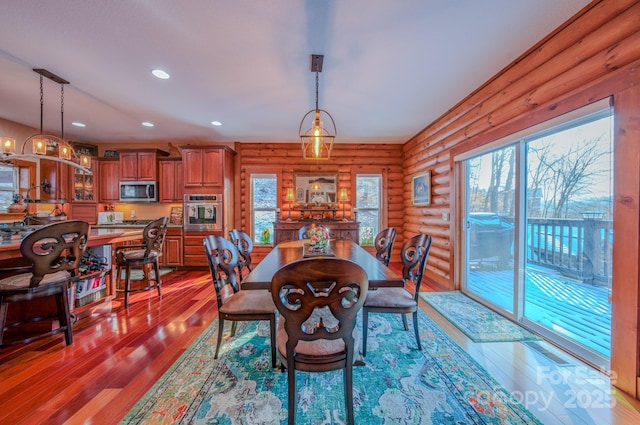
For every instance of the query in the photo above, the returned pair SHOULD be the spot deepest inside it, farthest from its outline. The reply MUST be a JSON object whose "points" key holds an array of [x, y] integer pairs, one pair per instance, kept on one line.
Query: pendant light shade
{"points": [[42, 145], [317, 139]]}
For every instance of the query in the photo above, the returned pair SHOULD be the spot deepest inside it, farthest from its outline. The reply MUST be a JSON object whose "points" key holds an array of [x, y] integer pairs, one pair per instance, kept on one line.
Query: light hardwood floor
{"points": [[117, 355]]}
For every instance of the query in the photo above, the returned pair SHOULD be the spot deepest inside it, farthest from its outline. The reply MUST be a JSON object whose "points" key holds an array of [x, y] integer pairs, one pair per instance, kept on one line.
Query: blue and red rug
{"points": [[398, 385]]}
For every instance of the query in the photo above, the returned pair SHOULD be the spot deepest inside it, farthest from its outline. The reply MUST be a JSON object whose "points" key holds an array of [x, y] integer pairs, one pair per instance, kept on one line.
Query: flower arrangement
{"points": [[319, 236], [265, 236], [366, 235]]}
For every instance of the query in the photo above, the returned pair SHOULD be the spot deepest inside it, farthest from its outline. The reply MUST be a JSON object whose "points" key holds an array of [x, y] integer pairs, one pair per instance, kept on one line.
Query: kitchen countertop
{"points": [[10, 248], [130, 226]]}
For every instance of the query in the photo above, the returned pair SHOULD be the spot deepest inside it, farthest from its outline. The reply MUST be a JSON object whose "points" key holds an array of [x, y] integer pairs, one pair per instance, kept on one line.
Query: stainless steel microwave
{"points": [[138, 192]]}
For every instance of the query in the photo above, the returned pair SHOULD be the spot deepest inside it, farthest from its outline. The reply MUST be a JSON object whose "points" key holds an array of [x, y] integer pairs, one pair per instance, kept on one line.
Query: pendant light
{"points": [[42, 144], [317, 141]]}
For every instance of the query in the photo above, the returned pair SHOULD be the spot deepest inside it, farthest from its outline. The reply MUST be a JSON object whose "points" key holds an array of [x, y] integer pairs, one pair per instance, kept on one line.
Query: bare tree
{"points": [[565, 176]]}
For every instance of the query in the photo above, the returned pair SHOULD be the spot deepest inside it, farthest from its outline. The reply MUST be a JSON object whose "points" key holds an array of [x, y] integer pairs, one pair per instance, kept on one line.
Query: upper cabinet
{"points": [[171, 178], [203, 167], [54, 182], [109, 179], [140, 165], [83, 184]]}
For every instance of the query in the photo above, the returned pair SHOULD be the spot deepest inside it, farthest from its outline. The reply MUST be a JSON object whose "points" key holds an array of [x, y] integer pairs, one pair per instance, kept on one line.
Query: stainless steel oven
{"points": [[202, 212]]}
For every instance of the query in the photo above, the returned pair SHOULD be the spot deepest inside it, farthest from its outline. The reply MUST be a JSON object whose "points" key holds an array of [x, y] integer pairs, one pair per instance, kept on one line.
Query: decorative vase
{"points": [[16, 207]]}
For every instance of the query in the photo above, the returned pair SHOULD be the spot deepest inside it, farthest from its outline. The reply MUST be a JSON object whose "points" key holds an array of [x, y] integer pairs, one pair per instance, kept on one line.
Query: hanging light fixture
{"points": [[47, 145], [317, 141]]}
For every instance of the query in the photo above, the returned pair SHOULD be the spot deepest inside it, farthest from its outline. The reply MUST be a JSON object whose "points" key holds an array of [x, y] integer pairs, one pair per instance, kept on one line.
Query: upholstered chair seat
{"points": [[23, 281]]}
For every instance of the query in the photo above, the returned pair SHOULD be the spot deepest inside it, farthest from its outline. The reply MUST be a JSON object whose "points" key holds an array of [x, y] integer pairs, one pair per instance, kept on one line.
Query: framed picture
{"points": [[316, 189], [84, 149], [421, 189], [176, 215]]}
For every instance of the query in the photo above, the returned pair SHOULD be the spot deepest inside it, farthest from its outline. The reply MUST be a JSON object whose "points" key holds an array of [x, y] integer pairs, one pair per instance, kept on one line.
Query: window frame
{"points": [[253, 210], [381, 202]]}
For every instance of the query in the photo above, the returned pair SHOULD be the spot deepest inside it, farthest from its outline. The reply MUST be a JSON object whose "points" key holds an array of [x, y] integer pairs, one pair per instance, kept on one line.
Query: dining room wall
{"points": [[347, 160], [595, 55]]}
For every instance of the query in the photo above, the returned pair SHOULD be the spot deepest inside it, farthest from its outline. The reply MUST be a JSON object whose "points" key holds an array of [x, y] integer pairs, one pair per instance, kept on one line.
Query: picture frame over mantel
{"points": [[315, 189], [421, 189]]}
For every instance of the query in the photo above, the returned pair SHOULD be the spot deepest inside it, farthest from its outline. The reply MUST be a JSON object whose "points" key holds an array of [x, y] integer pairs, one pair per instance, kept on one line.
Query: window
{"points": [[8, 185], [264, 203], [368, 203]]}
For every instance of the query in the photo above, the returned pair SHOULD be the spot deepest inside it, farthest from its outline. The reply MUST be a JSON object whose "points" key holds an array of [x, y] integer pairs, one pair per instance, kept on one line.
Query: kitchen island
{"points": [[10, 248], [10, 256]]}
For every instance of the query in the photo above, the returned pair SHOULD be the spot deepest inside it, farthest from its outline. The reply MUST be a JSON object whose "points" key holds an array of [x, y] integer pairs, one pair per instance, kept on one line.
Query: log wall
{"points": [[347, 160], [593, 56]]}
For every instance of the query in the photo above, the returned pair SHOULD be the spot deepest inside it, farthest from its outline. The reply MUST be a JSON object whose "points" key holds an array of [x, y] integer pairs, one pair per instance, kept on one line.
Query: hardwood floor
{"points": [[118, 355]]}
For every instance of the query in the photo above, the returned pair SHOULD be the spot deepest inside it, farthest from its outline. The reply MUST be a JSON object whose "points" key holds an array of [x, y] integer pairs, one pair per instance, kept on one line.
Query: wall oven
{"points": [[202, 212]]}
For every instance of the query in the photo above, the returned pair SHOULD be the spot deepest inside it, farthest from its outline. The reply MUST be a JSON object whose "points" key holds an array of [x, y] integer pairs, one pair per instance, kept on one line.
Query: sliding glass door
{"points": [[537, 231], [490, 214]]}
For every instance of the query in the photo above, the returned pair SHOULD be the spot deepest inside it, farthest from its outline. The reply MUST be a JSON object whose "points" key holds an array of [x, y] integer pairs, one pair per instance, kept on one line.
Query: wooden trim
{"points": [[625, 358]]}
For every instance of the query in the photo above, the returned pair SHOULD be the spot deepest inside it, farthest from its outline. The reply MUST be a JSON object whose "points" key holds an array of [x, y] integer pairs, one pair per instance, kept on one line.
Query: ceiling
{"points": [[390, 67]]}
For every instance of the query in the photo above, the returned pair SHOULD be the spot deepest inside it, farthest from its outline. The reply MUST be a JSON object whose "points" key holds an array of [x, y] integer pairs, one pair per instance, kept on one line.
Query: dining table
{"points": [[380, 276]]}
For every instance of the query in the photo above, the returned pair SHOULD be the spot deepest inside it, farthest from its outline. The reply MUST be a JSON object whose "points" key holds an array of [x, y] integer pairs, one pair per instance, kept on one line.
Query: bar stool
{"points": [[140, 256]]}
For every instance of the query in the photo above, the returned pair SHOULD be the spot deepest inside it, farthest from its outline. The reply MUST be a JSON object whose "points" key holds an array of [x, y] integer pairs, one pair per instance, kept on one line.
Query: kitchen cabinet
{"points": [[172, 250], [109, 180], [86, 211], [83, 184], [140, 165], [53, 183], [194, 254], [207, 167], [288, 230], [171, 180]]}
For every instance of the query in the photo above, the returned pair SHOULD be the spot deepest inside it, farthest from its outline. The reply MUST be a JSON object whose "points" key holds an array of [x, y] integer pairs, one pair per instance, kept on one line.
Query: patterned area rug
{"points": [[476, 321], [398, 384]]}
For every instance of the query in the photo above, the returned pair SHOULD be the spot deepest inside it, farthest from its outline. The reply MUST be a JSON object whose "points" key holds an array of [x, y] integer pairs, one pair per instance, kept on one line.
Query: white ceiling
{"points": [[391, 67]]}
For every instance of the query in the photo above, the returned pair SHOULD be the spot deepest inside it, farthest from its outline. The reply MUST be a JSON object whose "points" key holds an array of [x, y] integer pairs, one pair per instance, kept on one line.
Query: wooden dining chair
{"points": [[235, 304], [414, 254], [142, 256], [384, 244], [245, 247], [318, 300], [302, 232], [54, 252]]}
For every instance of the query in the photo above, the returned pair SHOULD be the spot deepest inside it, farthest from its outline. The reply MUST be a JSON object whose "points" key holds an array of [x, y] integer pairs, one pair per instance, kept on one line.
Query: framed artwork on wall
{"points": [[421, 189]]}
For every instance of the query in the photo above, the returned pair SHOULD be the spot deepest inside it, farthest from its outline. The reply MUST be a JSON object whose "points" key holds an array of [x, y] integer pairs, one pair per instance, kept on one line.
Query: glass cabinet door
{"points": [[83, 186]]}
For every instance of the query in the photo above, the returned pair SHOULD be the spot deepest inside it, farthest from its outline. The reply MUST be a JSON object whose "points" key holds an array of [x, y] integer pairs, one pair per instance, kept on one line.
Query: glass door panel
{"points": [[569, 235], [490, 216]]}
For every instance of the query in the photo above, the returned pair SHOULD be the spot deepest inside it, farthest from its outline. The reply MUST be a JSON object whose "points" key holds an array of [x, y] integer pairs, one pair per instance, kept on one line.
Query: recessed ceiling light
{"points": [[216, 123], [147, 124], [163, 75], [79, 124]]}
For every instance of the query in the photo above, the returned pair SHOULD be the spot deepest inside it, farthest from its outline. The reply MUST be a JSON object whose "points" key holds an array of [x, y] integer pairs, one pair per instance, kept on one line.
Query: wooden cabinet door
{"points": [[172, 251], [167, 181], [109, 179], [57, 176], [192, 163], [171, 177], [147, 170], [128, 166], [179, 178], [202, 167], [212, 168], [138, 166], [84, 211]]}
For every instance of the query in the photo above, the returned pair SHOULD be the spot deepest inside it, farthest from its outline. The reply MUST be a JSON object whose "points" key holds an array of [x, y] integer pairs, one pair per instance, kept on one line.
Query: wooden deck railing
{"points": [[577, 248]]}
